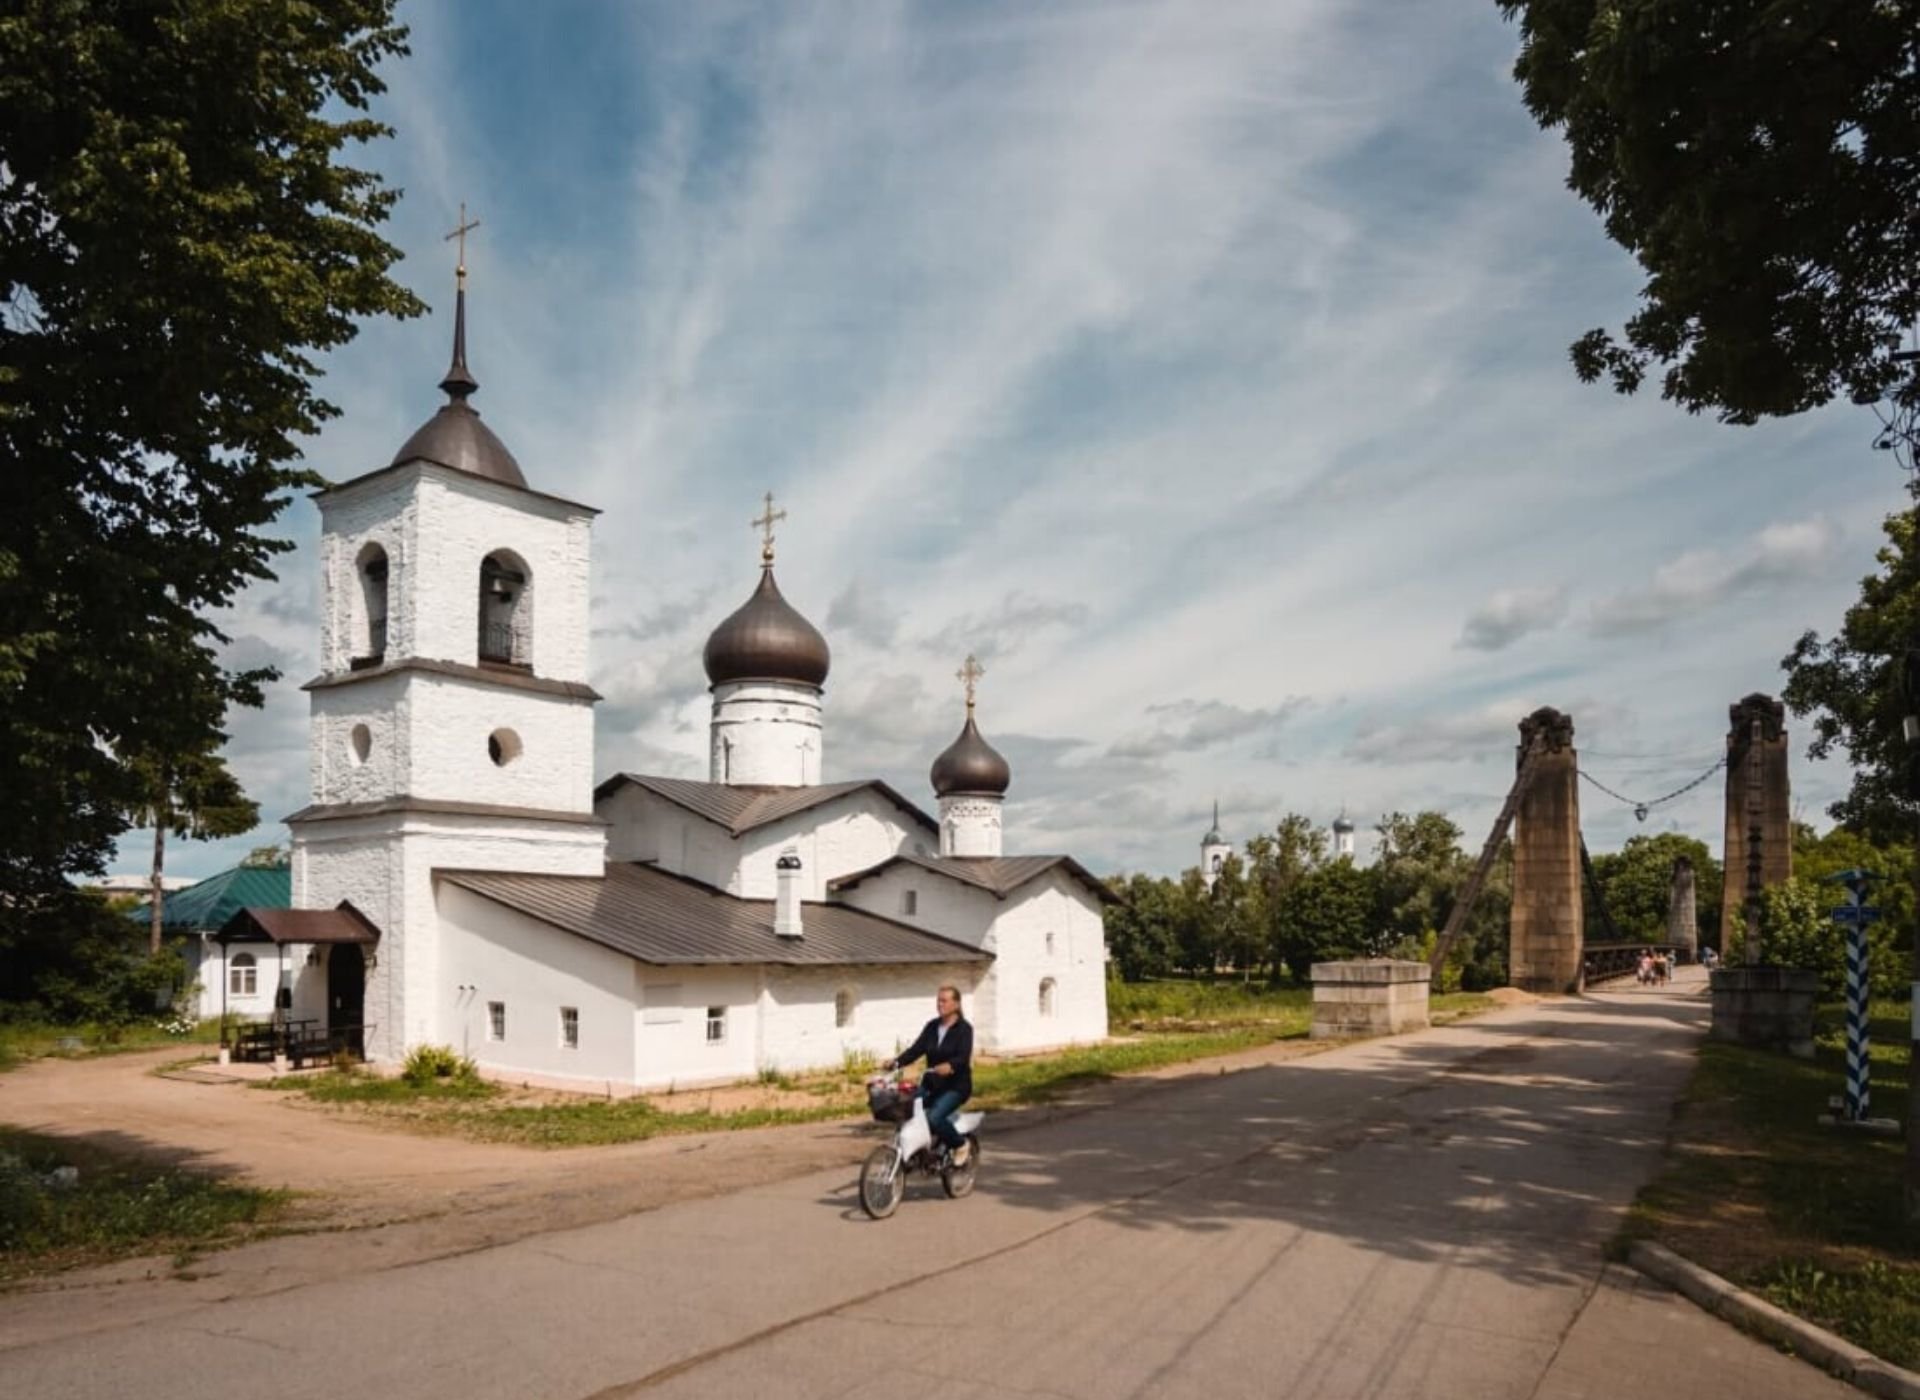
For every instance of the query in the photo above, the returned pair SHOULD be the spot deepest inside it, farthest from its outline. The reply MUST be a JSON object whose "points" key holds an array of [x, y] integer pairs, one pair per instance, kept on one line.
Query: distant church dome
{"points": [[971, 766], [455, 437], [766, 639], [1341, 825], [1213, 836]]}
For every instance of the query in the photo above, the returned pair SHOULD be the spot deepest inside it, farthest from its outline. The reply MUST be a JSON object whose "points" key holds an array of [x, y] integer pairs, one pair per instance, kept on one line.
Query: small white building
{"points": [[646, 932]]}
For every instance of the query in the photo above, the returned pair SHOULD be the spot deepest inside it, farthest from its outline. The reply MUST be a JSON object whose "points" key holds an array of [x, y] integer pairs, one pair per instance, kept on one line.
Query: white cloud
{"points": [[1704, 578]]}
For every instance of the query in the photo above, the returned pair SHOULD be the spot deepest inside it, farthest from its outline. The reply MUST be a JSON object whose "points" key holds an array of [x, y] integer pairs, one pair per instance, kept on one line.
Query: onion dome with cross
{"points": [[455, 437], [766, 638]]}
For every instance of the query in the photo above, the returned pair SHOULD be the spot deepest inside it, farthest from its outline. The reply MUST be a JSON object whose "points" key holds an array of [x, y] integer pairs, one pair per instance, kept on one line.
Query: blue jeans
{"points": [[942, 1104]]}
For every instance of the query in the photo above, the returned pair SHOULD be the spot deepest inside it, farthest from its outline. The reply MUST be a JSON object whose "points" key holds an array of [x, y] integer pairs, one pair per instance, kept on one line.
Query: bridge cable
{"points": [[1642, 808]]}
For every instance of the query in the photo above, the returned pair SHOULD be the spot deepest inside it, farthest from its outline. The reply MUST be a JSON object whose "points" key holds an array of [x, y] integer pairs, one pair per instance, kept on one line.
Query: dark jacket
{"points": [[956, 1050]]}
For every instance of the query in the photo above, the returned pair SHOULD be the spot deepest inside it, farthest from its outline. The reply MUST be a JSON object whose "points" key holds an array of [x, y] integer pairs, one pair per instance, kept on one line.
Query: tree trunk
{"points": [[159, 896]]}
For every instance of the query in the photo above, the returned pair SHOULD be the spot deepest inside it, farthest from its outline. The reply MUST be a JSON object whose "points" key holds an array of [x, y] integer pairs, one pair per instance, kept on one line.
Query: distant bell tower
{"points": [[1214, 850], [1342, 837]]}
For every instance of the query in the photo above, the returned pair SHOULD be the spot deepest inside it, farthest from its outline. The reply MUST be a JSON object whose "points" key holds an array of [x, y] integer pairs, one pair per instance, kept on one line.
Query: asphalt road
{"points": [[1418, 1217]]}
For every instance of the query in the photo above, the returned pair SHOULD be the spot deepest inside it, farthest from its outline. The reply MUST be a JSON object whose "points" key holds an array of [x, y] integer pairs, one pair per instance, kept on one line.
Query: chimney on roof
{"points": [[786, 899]]}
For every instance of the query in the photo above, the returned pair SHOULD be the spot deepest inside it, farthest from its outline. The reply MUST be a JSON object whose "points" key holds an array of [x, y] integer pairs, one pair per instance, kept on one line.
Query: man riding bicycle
{"points": [[947, 1044]]}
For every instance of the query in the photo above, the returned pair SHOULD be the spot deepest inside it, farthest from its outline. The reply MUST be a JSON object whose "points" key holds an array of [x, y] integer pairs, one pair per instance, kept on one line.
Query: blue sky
{"points": [[1201, 366]]}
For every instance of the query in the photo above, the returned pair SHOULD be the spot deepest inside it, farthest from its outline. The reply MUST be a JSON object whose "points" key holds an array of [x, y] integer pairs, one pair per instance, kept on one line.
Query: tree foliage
{"points": [[179, 243], [1637, 883], [1850, 685], [1761, 160]]}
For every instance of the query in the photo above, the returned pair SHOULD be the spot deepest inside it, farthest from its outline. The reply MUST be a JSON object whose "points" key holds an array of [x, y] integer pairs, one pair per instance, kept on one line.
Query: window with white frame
{"points": [[243, 975], [844, 1002], [716, 1025], [496, 1020], [569, 1028], [910, 902], [1046, 998]]}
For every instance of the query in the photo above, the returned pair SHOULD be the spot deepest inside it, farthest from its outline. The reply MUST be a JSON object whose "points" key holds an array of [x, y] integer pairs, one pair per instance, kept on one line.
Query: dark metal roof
{"points": [[342, 925], [666, 920], [971, 765], [766, 639], [460, 670], [999, 876], [741, 809]]}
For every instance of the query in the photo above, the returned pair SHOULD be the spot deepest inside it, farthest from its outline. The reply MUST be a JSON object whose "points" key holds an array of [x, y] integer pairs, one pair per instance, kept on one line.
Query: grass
{"points": [[21, 1041], [120, 1206], [1161, 1024], [1808, 1217]]}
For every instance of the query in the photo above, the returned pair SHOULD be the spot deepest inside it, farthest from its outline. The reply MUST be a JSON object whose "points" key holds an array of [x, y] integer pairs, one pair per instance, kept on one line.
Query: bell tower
{"points": [[451, 722]]}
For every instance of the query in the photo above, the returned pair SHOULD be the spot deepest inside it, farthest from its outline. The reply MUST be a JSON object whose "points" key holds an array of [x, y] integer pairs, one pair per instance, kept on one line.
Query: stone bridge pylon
{"points": [[1547, 936], [1758, 853]]}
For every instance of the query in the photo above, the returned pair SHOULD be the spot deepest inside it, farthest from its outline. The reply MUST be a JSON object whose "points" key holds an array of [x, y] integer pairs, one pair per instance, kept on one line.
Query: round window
{"points": [[360, 744], [503, 747]]}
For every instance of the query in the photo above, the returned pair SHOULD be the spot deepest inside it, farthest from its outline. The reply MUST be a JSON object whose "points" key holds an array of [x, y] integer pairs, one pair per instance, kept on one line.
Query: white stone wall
{"points": [[1212, 858], [490, 953], [384, 866], [838, 838], [799, 1029], [765, 732], [970, 826], [436, 525], [427, 737], [1076, 962], [672, 1049]]}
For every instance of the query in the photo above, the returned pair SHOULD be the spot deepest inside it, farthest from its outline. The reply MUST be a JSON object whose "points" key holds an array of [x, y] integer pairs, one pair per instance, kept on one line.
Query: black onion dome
{"points": [[766, 639], [971, 765]]}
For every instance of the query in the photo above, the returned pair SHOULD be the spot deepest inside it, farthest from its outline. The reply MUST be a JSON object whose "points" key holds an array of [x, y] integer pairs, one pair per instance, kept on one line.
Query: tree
{"points": [[1850, 685], [1761, 160], [1797, 930], [1143, 933], [1637, 882], [1274, 865], [178, 245], [1327, 913], [1421, 868], [195, 797]]}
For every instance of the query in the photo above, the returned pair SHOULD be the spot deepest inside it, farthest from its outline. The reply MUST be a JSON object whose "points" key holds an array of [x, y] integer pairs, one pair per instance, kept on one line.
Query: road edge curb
{"points": [[1851, 1363]]}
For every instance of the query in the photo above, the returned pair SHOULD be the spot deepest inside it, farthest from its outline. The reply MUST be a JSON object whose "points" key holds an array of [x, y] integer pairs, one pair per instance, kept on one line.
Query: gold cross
{"points": [[765, 523], [460, 269], [969, 676]]}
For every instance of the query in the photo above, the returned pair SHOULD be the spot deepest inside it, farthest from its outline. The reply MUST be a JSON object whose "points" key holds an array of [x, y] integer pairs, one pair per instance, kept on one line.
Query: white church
{"points": [[460, 879]]}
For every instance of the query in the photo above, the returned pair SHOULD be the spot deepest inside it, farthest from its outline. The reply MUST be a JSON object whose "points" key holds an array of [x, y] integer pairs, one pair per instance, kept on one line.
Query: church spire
{"points": [[460, 381]]}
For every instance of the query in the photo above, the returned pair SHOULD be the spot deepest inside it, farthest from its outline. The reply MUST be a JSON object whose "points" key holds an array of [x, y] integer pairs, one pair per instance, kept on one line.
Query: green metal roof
{"points": [[209, 904]]}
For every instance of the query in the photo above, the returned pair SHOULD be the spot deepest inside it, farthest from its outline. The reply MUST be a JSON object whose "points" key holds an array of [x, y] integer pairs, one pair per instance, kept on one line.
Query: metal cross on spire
{"points": [[969, 675], [460, 233], [765, 523]]}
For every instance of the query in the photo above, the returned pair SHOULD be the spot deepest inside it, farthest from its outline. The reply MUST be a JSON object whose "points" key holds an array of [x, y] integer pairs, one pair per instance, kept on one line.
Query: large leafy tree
{"points": [[192, 795], [180, 241], [1851, 686], [1637, 881], [1328, 913], [1761, 160]]}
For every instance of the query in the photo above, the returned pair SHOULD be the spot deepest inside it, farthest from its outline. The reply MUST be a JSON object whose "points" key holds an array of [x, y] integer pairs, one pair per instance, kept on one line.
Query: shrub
{"points": [[428, 1065]]}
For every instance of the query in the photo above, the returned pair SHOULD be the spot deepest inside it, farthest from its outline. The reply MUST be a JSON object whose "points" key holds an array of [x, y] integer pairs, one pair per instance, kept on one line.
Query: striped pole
{"points": [[1854, 916], [1859, 1088]]}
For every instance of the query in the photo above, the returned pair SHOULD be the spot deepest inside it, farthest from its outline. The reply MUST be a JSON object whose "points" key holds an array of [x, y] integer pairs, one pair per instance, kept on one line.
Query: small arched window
{"points": [[1049, 942], [1219, 864], [370, 620], [506, 610], [1046, 998], [844, 1003], [243, 975]]}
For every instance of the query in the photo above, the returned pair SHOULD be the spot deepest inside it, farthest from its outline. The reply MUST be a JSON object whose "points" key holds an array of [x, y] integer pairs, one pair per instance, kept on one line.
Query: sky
{"points": [[1201, 367]]}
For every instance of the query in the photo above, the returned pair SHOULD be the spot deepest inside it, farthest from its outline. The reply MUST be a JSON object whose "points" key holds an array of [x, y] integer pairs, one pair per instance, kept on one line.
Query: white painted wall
{"points": [[385, 865], [672, 1049], [491, 953], [1059, 905], [890, 1005], [765, 732], [436, 525], [970, 826]]}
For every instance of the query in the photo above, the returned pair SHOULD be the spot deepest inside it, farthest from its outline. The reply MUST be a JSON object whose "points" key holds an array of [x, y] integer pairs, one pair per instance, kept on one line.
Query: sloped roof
{"points": [[342, 925], [668, 920], [741, 809], [999, 876], [214, 900]]}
